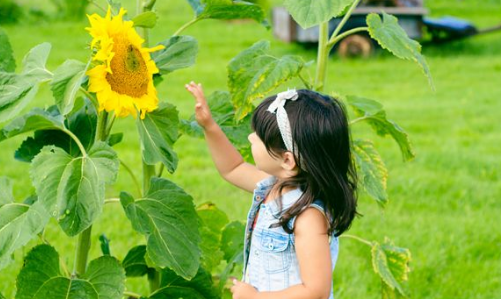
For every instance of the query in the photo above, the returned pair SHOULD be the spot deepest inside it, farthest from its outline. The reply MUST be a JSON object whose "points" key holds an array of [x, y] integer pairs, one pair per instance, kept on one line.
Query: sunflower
{"points": [[123, 76]]}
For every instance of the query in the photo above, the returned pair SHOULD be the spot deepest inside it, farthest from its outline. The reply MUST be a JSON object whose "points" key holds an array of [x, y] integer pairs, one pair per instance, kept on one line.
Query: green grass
{"points": [[443, 204]]}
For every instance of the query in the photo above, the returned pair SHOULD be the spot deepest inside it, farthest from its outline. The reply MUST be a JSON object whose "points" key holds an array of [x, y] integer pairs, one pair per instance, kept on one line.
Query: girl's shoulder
{"points": [[319, 205]]}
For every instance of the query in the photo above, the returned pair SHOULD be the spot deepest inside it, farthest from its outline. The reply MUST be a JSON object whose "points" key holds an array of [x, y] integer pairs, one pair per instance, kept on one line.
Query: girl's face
{"points": [[264, 161]]}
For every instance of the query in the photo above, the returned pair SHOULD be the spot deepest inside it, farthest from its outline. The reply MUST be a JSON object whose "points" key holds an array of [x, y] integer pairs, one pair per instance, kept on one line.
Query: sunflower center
{"points": [[130, 74]]}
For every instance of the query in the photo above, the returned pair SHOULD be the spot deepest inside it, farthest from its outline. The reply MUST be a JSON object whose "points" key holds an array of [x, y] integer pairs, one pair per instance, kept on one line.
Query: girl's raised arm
{"points": [[228, 161]]}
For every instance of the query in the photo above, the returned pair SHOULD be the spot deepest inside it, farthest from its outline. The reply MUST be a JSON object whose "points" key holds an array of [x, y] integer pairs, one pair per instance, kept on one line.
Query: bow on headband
{"points": [[283, 121]]}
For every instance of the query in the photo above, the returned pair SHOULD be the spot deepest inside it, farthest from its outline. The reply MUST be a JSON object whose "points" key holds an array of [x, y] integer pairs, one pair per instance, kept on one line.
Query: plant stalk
{"points": [[148, 173], [335, 40], [154, 280], [84, 238], [344, 20], [185, 26], [323, 53], [82, 252], [358, 239]]}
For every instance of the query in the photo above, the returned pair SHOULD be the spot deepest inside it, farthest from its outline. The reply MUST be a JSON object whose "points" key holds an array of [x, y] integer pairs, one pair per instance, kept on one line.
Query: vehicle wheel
{"points": [[355, 45]]}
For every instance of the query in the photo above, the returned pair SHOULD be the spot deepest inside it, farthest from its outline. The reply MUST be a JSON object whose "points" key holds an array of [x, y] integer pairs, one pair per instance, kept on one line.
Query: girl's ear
{"points": [[288, 162]]}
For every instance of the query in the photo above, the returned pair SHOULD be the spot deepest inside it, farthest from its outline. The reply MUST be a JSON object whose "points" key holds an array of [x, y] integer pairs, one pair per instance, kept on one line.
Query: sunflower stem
{"points": [[366, 242], [185, 26], [323, 53], [136, 182], [343, 21], [102, 128], [77, 141], [335, 40], [148, 173], [84, 238], [91, 97], [82, 252]]}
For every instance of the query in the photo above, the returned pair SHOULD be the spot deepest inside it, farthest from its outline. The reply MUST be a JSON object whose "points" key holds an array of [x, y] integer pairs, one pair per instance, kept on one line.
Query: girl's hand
{"points": [[202, 111], [242, 290]]}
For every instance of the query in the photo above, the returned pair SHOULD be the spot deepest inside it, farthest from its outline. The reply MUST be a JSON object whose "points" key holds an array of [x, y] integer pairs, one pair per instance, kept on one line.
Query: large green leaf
{"points": [[213, 221], [167, 217], [371, 170], [232, 241], [391, 263], [6, 195], [158, 132], [308, 13], [17, 90], [372, 112], [19, 223], [107, 277], [254, 72], [174, 287], [72, 188], [180, 52], [36, 119], [7, 61], [146, 19], [392, 37], [41, 278], [229, 10], [134, 262], [67, 81], [82, 123]]}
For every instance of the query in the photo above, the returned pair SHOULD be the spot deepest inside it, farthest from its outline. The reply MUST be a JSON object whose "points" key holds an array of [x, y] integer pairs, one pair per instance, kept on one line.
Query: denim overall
{"points": [[270, 261]]}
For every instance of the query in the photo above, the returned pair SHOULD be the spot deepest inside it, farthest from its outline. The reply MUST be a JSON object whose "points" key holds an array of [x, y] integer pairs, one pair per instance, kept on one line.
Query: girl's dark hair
{"points": [[320, 131]]}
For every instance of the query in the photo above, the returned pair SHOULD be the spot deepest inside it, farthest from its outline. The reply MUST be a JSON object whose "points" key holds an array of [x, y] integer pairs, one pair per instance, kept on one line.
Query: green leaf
{"points": [[7, 61], [19, 223], [67, 81], [197, 6], [230, 10], [115, 138], [391, 263], [213, 221], [167, 217], [36, 119], [237, 258], [392, 37], [232, 241], [41, 278], [107, 277], [134, 262], [373, 113], [173, 287], [180, 52], [253, 73], [72, 188], [371, 170], [82, 123], [17, 90], [146, 19], [6, 195], [158, 132], [308, 13], [32, 146]]}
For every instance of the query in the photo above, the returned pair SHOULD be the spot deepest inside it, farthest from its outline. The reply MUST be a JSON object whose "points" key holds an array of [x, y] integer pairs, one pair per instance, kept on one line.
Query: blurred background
{"points": [[443, 204]]}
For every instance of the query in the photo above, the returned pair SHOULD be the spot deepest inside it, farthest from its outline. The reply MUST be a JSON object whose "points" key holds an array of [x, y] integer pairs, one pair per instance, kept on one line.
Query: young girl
{"points": [[304, 192]]}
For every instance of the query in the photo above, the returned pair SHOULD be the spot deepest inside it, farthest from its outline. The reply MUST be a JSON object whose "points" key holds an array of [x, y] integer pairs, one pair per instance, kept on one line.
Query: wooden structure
{"points": [[410, 14]]}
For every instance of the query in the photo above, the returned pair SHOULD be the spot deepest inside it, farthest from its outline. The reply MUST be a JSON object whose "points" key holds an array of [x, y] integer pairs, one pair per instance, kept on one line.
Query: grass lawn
{"points": [[443, 204]]}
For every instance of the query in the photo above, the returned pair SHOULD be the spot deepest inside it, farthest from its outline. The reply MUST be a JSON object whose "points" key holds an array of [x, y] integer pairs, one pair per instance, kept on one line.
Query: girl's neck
{"points": [[275, 192]]}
